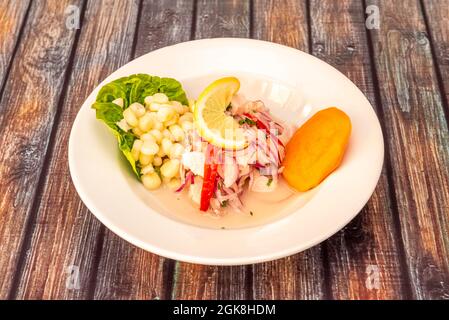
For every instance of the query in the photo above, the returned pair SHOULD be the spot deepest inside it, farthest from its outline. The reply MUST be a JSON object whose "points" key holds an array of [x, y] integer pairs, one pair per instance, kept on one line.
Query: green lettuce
{"points": [[134, 88]]}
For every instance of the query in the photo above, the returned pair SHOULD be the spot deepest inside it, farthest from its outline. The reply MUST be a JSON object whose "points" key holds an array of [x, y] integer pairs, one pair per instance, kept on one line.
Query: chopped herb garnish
{"points": [[224, 203], [247, 121], [251, 213], [250, 122], [269, 182]]}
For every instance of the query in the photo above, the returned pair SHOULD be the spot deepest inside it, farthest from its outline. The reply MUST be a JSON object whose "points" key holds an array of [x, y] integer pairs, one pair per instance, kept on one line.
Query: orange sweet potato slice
{"points": [[316, 149]]}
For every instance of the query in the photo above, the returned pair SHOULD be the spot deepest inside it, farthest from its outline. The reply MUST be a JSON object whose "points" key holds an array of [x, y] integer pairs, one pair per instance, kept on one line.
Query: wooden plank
{"points": [[12, 16], [300, 276], [437, 18], [222, 18], [64, 233], [285, 23], [29, 105], [370, 243], [164, 23], [417, 137], [200, 282], [127, 272], [191, 281]]}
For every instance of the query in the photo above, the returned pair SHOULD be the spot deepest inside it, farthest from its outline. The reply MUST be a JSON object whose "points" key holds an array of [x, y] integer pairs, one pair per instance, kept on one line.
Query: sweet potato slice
{"points": [[316, 149]]}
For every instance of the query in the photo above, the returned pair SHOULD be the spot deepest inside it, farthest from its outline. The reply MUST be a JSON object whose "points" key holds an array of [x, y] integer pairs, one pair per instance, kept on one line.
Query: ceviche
{"points": [[220, 146]]}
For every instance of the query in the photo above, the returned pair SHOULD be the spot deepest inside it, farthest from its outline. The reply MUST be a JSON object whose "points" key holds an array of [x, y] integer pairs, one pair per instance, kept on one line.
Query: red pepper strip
{"points": [[210, 175]]}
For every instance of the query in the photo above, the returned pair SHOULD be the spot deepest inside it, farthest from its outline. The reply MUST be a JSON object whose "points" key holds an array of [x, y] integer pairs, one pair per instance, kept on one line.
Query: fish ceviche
{"points": [[216, 177], [219, 147]]}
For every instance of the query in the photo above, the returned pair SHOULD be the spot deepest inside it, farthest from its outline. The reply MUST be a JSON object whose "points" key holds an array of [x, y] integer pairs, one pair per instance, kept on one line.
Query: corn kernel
{"points": [[135, 151], [130, 117], [122, 124], [165, 113], [119, 102], [148, 100], [177, 106], [149, 147], [147, 137], [160, 97], [177, 132], [186, 109], [176, 151], [170, 168], [186, 117], [146, 122], [174, 183], [166, 145], [173, 120], [157, 135], [160, 153], [138, 109], [158, 125], [147, 169], [137, 131], [145, 159], [167, 134], [151, 181], [157, 161], [166, 180], [154, 106]]}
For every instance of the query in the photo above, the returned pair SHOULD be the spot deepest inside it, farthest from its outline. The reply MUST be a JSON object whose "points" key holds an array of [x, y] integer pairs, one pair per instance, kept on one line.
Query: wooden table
{"points": [[47, 69]]}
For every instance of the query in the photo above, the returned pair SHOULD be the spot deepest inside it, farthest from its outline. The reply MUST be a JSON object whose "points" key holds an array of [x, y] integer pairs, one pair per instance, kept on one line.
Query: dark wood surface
{"points": [[47, 70]]}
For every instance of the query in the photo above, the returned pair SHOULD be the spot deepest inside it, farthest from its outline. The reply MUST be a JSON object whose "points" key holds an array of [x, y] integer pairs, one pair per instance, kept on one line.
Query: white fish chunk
{"points": [[194, 161], [195, 190], [230, 171], [263, 183]]}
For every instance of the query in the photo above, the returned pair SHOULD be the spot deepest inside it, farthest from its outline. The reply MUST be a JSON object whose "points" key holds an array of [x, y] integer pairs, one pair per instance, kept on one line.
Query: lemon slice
{"points": [[212, 123]]}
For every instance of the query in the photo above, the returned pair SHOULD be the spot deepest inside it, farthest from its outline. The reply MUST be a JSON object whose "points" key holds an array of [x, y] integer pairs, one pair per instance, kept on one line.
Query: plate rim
{"points": [[293, 249]]}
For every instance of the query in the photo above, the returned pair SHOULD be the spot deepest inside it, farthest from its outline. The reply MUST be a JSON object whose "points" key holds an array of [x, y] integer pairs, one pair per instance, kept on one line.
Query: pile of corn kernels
{"points": [[161, 127]]}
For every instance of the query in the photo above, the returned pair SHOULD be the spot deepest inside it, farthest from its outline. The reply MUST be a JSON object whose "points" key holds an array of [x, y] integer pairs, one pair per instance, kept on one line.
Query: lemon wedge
{"points": [[211, 121]]}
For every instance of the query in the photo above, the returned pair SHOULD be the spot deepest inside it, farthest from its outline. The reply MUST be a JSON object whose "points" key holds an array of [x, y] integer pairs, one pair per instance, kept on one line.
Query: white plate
{"points": [[294, 85]]}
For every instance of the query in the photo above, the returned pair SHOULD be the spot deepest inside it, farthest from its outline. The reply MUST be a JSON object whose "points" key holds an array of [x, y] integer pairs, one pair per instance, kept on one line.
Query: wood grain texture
{"points": [[192, 281], [222, 18], [300, 276], [200, 282], [45, 228], [65, 233], [29, 105], [370, 243], [125, 271], [12, 16], [164, 23], [437, 14], [417, 137], [281, 22]]}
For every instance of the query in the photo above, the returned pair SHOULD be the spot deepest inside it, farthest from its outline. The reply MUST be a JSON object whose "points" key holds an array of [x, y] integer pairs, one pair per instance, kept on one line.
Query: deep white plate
{"points": [[294, 85]]}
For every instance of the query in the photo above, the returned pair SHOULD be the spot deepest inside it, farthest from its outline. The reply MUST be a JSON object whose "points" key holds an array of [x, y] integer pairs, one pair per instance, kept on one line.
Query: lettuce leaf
{"points": [[134, 88]]}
